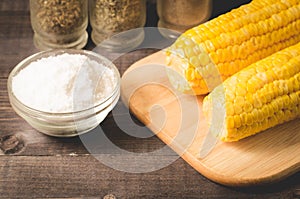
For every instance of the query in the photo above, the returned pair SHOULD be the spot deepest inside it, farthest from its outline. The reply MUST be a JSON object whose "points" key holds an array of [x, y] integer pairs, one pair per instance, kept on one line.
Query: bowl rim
{"points": [[39, 55]]}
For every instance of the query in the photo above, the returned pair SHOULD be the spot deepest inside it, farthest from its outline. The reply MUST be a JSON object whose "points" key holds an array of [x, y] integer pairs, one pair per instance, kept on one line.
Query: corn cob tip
{"points": [[197, 75], [261, 96], [234, 41]]}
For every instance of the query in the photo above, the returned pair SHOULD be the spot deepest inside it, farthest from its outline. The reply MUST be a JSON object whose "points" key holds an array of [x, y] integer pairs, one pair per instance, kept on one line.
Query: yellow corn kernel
{"points": [[257, 102], [247, 107], [241, 90], [190, 74], [229, 108], [204, 59], [230, 122], [249, 119], [194, 61], [255, 115], [237, 109], [237, 121]]}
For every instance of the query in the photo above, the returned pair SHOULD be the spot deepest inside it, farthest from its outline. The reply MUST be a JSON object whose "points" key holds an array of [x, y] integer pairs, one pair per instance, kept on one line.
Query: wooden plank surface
{"points": [[264, 158], [35, 165]]}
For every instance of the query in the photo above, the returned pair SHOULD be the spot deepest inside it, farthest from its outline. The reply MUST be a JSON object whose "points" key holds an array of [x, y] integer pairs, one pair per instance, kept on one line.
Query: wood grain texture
{"points": [[45, 167], [267, 157]]}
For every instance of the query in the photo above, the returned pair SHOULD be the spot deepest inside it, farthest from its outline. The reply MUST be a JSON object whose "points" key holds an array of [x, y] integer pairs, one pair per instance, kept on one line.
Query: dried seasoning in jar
{"points": [[59, 23], [181, 15], [110, 17]]}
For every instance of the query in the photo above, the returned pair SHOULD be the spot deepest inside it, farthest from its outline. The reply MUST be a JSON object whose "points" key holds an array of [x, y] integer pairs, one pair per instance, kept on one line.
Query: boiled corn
{"points": [[263, 95], [211, 52]]}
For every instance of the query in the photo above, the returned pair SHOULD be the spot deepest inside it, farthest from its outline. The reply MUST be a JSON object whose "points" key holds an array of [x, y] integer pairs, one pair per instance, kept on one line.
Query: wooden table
{"points": [[35, 165]]}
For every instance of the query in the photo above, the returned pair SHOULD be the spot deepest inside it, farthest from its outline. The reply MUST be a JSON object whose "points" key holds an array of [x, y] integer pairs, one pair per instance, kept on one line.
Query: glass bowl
{"points": [[65, 124]]}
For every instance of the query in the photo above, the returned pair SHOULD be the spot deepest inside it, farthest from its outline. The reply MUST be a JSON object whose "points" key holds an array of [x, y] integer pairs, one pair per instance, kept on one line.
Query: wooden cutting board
{"points": [[267, 157]]}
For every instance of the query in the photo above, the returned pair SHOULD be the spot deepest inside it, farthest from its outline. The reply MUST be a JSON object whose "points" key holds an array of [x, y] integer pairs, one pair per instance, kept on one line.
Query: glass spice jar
{"points": [[59, 23], [181, 15], [117, 24]]}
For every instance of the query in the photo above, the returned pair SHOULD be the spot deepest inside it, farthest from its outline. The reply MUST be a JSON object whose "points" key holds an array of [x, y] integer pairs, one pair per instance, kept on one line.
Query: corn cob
{"points": [[211, 52], [263, 95]]}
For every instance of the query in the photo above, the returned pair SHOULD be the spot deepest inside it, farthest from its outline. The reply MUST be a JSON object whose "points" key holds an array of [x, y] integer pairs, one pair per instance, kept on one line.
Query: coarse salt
{"points": [[63, 83]]}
